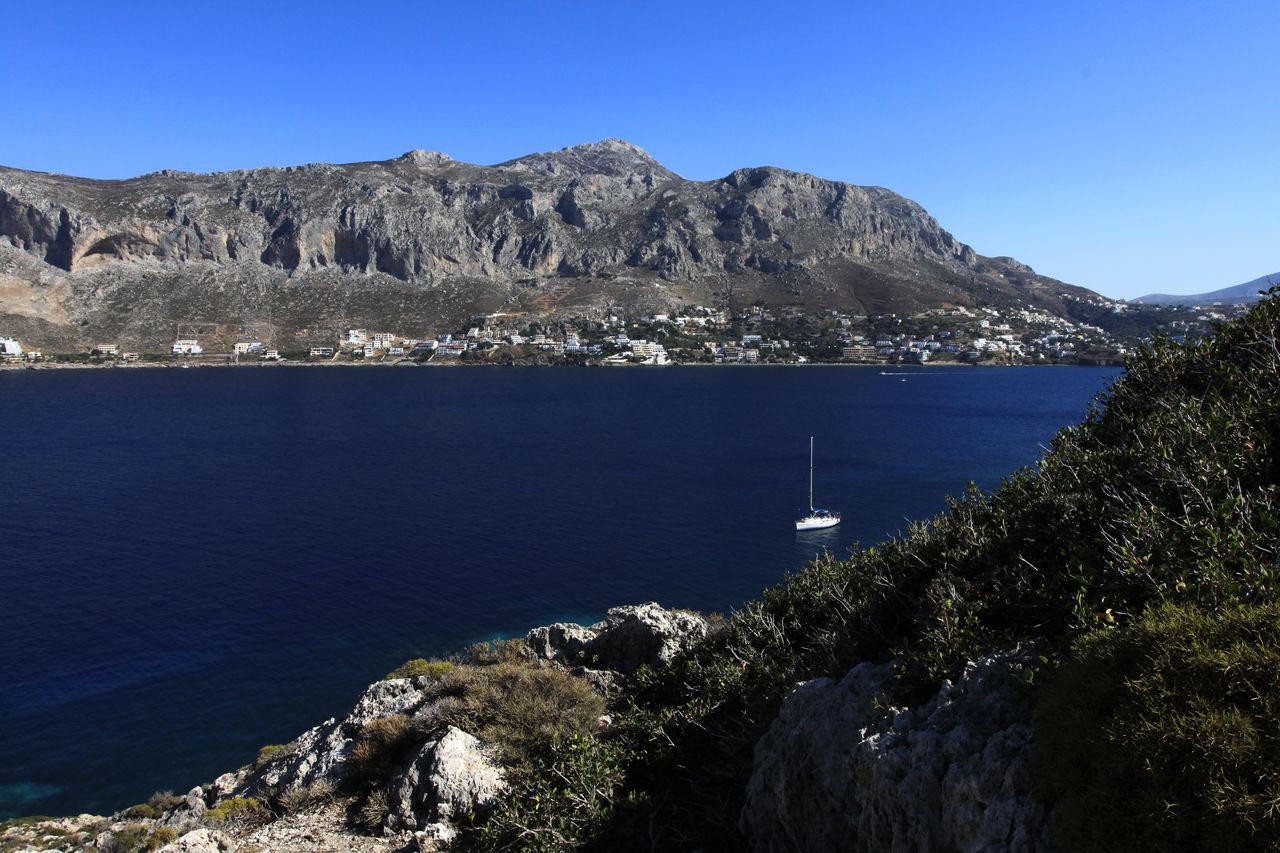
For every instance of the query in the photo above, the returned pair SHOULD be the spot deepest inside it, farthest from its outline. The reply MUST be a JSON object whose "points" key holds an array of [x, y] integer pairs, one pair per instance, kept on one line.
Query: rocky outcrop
{"points": [[200, 841], [629, 637], [449, 779], [319, 756], [841, 770], [422, 241]]}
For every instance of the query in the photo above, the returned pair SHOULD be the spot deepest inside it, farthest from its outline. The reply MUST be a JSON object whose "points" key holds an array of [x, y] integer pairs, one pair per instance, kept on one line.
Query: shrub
{"points": [[160, 836], [519, 709], [128, 839], [136, 838], [420, 668], [302, 798], [488, 653], [142, 811], [380, 746], [1163, 735], [372, 810], [238, 811], [269, 752], [562, 804], [163, 801]]}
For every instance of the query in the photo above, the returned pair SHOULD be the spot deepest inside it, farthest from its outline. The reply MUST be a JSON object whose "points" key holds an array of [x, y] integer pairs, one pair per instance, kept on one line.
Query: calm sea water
{"points": [[194, 563]]}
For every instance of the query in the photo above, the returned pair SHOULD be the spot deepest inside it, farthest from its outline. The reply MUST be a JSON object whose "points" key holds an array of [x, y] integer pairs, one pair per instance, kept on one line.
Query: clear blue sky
{"points": [[1127, 147]]}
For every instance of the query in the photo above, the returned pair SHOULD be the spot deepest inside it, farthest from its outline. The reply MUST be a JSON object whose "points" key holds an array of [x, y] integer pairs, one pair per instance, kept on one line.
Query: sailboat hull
{"points": [[817, 522]]}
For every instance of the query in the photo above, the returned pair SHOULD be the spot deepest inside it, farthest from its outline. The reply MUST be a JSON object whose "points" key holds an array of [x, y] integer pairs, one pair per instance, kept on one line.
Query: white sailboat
{"points": [[817, 518]]}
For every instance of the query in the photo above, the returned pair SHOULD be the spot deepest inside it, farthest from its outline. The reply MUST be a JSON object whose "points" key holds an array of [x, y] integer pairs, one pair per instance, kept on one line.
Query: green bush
{"points": [[137, 838], [160, 836], [421, 668], [142, 811], [1164, 735], [269, 752], [488, 653], [239, 811], [563, 803]]}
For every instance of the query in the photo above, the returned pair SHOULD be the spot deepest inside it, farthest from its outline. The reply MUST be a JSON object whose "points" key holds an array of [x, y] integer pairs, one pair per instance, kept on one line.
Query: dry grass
{"points": [[380, 746], [517, 709]]}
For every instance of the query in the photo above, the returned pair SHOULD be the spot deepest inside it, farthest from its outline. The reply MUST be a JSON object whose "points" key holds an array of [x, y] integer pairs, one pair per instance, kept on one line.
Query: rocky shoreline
{"points": [[305, 795], [838, 769]]}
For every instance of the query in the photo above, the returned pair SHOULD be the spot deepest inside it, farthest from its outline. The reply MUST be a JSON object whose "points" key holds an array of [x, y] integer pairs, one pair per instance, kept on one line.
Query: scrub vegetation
{"points": [[1139, 556]]}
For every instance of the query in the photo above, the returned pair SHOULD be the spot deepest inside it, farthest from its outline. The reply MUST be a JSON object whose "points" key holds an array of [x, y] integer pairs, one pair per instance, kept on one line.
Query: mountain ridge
{"points": [[424, 242], [1239, 294]]}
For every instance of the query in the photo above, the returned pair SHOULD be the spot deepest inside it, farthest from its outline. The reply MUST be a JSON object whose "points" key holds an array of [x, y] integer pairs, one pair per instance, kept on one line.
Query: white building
{"points": [[187, 346], [10, 346], [357, 337], [107, 349], [653, 353]]}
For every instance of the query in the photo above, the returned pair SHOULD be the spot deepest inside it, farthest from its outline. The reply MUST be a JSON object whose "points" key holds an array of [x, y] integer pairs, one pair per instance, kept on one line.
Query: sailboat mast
{"points": [[810, 473]]}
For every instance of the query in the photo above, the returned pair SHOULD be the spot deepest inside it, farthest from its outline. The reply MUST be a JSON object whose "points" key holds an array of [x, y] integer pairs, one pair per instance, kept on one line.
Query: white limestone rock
{"points": [[644, 634], [562, 642], [448, 779], [200, 841], [319, 757], [630, 637], [839, 770]]}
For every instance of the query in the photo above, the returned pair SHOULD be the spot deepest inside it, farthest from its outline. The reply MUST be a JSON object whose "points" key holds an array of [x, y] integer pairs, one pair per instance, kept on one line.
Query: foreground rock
{"points": [[630, 637], [840, 771], [200, 841], [65, 833], [449, 779], [319, 757]]}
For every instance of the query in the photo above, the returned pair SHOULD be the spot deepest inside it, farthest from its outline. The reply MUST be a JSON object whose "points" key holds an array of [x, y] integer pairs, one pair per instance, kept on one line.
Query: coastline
{"points": [[171, 365]]}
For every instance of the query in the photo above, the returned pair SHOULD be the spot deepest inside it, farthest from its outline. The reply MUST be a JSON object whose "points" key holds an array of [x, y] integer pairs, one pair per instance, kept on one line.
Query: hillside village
{"points": [[758, 334]]}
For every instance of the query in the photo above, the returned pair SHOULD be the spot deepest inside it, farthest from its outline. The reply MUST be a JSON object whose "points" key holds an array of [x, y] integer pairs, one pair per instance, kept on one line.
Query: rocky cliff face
{"points": [[841, 769], [422, 242]]}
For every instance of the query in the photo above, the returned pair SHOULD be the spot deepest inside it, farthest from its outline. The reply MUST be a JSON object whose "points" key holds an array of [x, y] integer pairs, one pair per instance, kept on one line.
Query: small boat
{"points": [[817, 519]]}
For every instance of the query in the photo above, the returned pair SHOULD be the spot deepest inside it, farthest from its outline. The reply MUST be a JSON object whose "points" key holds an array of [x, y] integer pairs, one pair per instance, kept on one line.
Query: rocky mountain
{"points": [[1239, 294], [421, 243]]}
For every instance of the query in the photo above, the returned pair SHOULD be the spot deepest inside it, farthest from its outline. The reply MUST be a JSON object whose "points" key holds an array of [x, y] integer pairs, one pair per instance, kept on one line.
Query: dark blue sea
{"points": [[194, 563]]}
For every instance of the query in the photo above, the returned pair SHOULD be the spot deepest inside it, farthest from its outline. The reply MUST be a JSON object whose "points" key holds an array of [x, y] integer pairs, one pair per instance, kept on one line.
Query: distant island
{"points": [[1240, 294], [426, 258]]}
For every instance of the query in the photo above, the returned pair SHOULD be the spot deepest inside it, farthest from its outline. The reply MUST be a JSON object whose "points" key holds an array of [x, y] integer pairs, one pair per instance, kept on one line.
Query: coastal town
{"points": [[758, 334]]}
